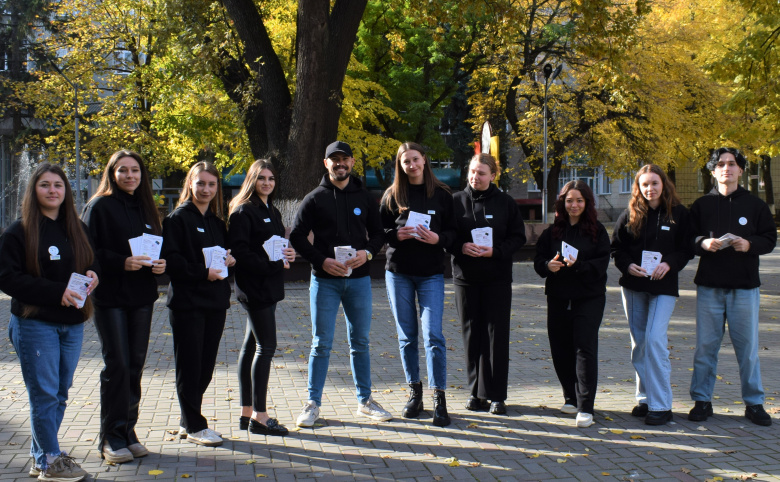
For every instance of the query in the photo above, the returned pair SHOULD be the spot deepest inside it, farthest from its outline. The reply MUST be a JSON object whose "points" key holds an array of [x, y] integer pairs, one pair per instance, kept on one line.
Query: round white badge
{"points": [[53, 250], [743, 220]]}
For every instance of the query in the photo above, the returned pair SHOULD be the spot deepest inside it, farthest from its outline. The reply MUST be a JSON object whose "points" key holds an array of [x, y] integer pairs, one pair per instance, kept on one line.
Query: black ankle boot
{"points": [[415, 404], [440, 416]]}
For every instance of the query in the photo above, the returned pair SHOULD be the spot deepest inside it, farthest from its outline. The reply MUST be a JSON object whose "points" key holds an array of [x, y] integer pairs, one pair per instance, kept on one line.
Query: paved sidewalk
{"points": [[533, 442]]}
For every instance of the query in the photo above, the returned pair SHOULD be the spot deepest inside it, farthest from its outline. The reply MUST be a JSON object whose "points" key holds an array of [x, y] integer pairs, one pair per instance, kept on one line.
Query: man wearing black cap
{"points": [[339, 212], [732, 229]]}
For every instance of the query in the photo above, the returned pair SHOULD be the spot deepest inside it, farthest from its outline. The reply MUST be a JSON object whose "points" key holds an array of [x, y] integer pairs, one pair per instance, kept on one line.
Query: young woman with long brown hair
{"points": [[576, 294], [198, 297], [655, 222], [259, 287], [121, 209], [38, 254]]}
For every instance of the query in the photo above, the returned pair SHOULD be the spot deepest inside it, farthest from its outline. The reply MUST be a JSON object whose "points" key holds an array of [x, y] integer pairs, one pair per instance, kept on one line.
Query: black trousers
{"points": [[254, 359], [573, 330], [484, 316], [124, 338], [196, 337]]}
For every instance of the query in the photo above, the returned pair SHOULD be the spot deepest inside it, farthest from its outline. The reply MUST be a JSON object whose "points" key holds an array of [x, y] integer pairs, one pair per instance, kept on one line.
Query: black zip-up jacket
{"points": [[671, 238], [337, 217], [588, 276], [412, 257], [112, 221], [185, 233], [739, 213], [259, 281], [481, 209], [55, 258]]}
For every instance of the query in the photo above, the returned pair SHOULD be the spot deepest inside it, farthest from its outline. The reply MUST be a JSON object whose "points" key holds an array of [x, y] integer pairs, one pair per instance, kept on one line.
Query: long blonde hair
{"points": [[186, 190], [638, 205], [249, 186]]}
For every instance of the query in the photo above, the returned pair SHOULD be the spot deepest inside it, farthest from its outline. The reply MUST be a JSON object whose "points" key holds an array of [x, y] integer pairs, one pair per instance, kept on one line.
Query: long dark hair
{"points": [[31, 221], [186, 190], [144, 194], [249, 186], [398, 192], [588, 221], [638, 206]]}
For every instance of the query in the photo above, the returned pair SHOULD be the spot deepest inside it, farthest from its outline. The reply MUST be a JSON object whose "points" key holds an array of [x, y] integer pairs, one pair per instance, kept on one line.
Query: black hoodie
{"points": [[671, 238], [185, 233], [412, 257], [259, 281], [55, 258], [588, 276], [739, 213], [337, 217], [112, 221], [481, 209]]}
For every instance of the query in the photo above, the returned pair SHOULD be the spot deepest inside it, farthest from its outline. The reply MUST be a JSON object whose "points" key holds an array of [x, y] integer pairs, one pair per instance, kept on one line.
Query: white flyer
{"points": [[80, 284], [483, 237], [215, 258], [727, 239], [273, 247], [146, 245], [650, 261], [569, 251], [344, 254], [418, 219]]}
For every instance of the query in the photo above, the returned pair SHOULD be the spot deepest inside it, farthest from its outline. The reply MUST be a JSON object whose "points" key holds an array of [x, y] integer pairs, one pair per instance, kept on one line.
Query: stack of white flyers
{"points": [[418, 219], [483, 237], [274, 246], [146, 245], [215, 257], [569, 251], [344, 254], [650, 261], [80, 284], [726, 240]]}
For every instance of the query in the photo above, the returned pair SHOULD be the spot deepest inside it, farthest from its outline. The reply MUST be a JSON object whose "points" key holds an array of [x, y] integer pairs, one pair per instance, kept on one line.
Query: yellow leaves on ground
{"points": [[453, 462], [156, 472]]}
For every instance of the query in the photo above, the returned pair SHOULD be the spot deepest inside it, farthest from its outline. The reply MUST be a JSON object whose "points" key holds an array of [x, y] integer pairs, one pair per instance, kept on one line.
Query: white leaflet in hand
{"points": [[727, 239], [279, 245], [568, 251], [269, 247], [483, 237], [215, 258], [650, 261], [80, 284], [344, 254], [416, 219], [146, 245]]}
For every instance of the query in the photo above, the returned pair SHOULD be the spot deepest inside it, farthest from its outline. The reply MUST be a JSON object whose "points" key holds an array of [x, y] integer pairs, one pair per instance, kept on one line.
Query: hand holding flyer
{"points": [[215, 258], [80, 284], [568, 251], [344, 254], [726, 240], [416, 219], [146, 245], [650, 261], [483, 237]]}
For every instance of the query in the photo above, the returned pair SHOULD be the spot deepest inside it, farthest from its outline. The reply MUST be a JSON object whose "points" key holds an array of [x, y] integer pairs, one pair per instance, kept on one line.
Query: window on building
{"points": [[625, 182]]}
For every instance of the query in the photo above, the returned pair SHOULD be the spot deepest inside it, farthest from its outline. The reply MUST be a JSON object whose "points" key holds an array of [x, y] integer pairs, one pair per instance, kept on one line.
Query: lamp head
{"points": [[547, 71]]}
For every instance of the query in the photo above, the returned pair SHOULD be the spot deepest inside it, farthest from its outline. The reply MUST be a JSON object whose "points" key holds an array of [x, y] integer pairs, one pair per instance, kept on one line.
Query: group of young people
{"points": [[339, 228]]}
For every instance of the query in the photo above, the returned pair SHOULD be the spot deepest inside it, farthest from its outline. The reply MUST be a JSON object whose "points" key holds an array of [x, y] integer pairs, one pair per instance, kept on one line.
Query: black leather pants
{"points": [[254, 359], [124, 336]]}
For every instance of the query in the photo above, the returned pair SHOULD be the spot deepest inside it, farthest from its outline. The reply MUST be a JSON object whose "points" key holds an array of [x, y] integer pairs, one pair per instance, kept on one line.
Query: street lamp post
{"points": [[549, 76], [76, 133]]}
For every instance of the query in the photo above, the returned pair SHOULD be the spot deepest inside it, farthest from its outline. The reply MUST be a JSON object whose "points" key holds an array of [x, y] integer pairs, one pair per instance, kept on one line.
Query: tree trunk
{"points": [[766, 169], [706, 180]]}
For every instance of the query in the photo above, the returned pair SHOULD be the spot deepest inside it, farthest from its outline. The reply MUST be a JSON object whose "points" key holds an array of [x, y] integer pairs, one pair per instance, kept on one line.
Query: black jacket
{"points": [[259, 281], [739, 213], [480, 209], [588, 276], [44, 292], [671, 239], [412, 257], [112, 221], [185, 233], [348, 217]]}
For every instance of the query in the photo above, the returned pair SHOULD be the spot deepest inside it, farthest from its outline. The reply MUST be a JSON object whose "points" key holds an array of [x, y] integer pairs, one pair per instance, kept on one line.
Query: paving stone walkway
{"points": [[533, 442]]}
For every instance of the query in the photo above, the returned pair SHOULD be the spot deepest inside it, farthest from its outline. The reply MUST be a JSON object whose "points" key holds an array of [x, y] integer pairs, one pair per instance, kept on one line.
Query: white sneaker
{"points": [[568, 408], [309, 414], [373, 410], [206, 437], [584, 420], [183, 433]]}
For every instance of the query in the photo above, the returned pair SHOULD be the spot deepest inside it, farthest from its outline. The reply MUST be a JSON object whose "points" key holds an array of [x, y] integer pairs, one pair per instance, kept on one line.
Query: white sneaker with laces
{"points": [[584, 420], [373, 410], [309, 414], [183, 432], [206, 437], [569, 408]]}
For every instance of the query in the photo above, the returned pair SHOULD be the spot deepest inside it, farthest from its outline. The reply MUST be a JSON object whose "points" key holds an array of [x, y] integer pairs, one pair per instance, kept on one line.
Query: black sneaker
{"points": [[640, 410], [757, 415], [700, 412], [658, 418]]}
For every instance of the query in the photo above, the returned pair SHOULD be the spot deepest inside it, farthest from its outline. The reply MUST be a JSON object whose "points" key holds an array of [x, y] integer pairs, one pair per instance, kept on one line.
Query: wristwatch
{"points": [[369, 256]]}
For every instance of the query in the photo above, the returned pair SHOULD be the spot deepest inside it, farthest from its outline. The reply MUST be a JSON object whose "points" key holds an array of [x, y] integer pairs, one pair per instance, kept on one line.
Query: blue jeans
{"points": [[354, 295], [648, 320], [401, 291], [48, 354], [713, 307]]}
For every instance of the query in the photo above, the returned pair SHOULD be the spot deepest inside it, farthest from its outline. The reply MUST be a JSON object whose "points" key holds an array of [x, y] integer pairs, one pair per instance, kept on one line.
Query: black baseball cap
{"points": [[338, 146]]}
